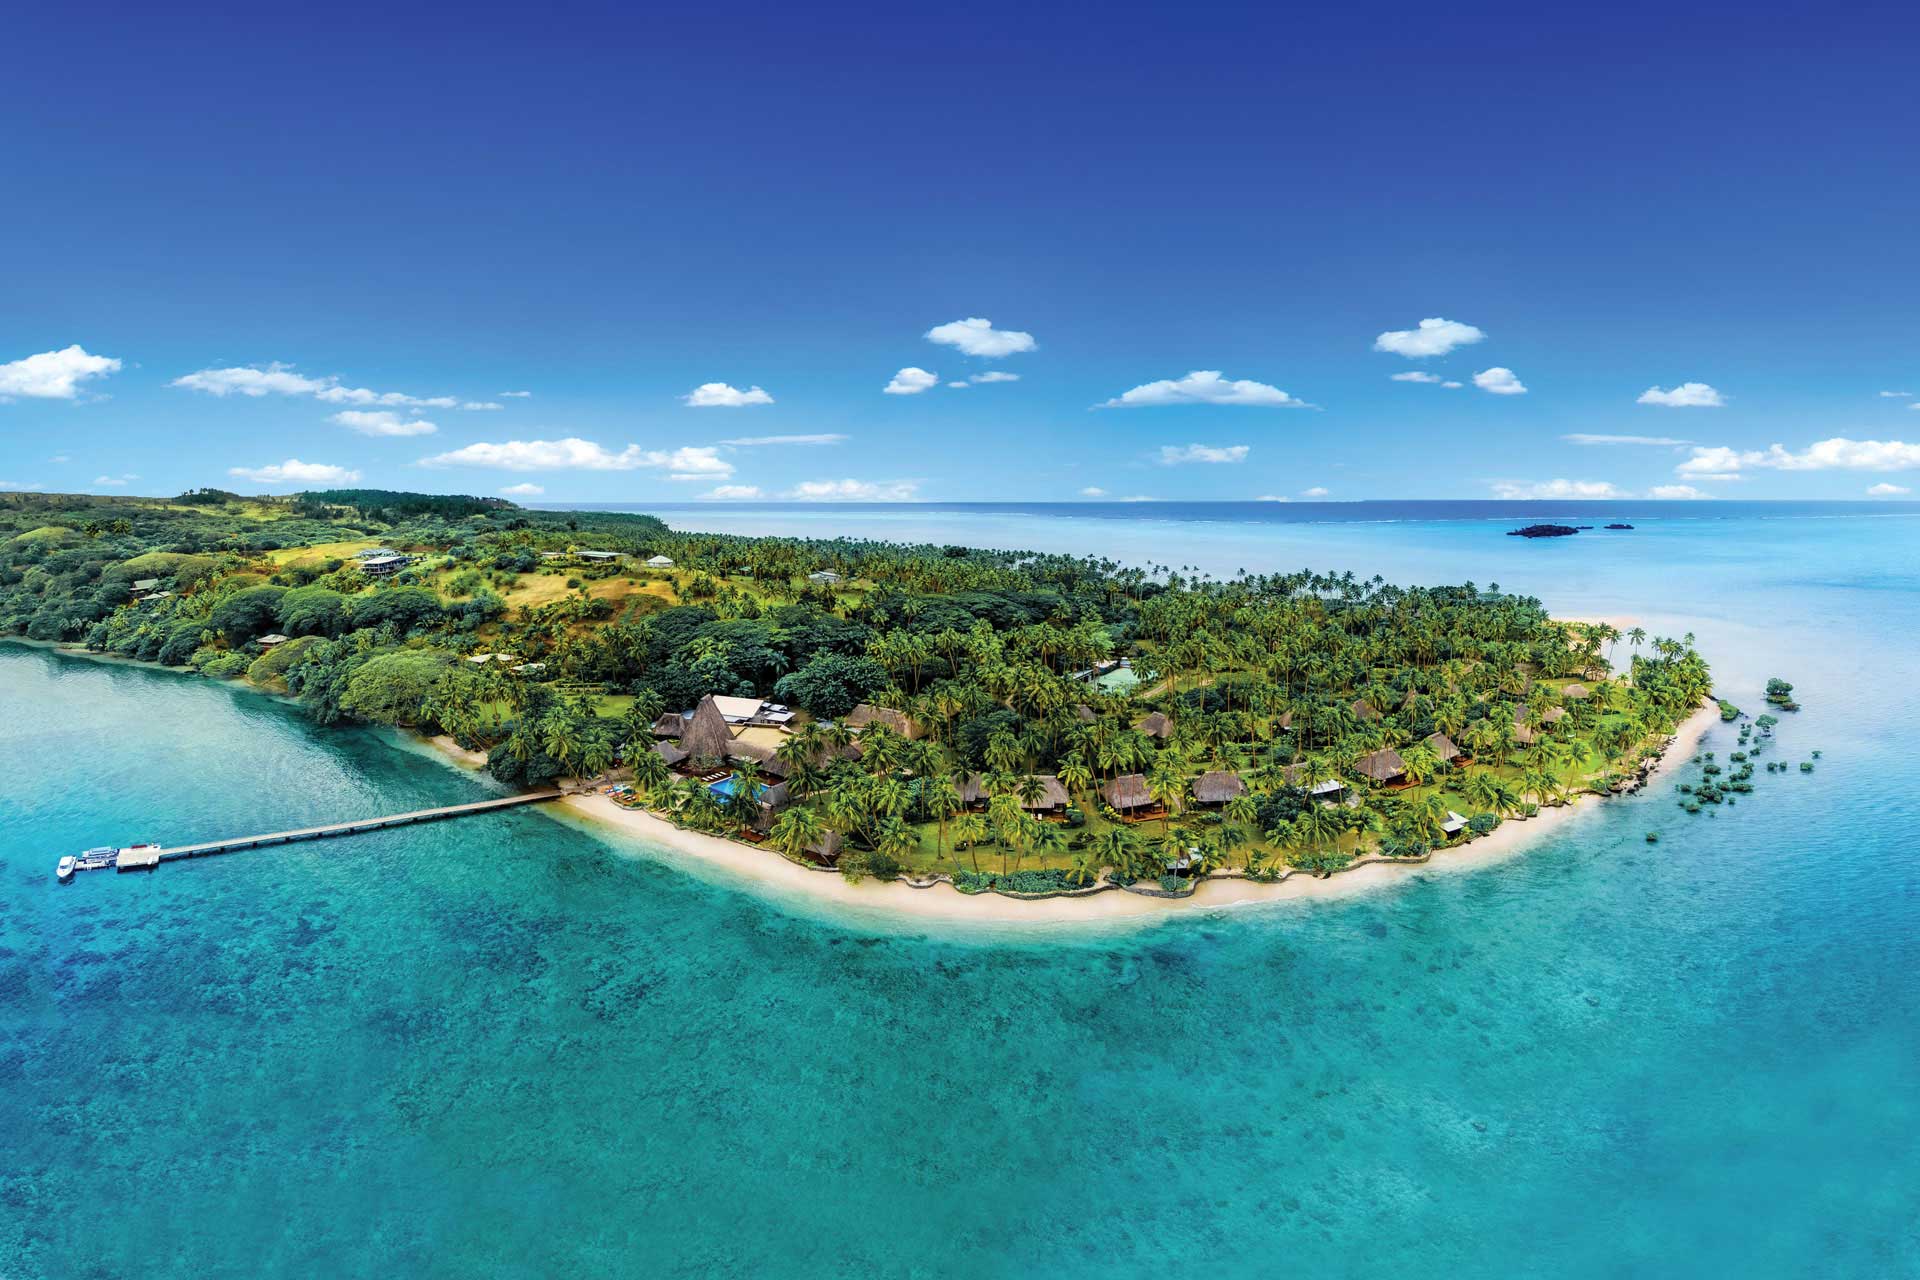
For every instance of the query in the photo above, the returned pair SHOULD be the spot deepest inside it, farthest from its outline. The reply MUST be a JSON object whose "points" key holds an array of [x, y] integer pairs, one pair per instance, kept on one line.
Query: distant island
{"points": [[1544, 531], [1619, 526], [1009, 722]]}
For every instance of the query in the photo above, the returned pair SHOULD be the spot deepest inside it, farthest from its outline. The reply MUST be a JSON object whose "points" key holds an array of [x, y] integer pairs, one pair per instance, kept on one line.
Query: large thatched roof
{"points": [[1576, 692], [1444, 747], [867, 714], [707, 736], [1364, 710], [1154, 726], [668, 752], [1053, 795], [1217, 787], [670, 725], [1128, 791], [1381, 766], [971, 789]]}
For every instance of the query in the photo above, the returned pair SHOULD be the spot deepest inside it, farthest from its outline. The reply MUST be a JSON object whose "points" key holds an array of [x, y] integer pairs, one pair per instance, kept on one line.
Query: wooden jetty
{"points": [[150, 856]]}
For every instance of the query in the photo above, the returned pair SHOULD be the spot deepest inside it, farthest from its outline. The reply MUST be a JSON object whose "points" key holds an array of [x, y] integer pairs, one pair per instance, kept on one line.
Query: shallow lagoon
{"points": [[501, 1046]]}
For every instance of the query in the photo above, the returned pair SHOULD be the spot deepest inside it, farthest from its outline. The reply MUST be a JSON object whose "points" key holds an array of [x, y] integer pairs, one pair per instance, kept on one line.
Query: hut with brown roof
{"points": [[1218, 787], [1576, 693], [1381, 766], [1364, 710], [670, 753], [1443, 747], [1295, 775], [1084, 713], [972, 790], [1127, 793], [1052, 797], [1155, 726], [707, 736], [866, 714], [670, 725], [827, 847]]}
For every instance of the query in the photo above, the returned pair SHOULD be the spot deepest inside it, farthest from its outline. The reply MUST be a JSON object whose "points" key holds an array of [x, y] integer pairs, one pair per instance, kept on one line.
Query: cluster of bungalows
{"points": [[145, 589], [512, 661], [1046, 796]]}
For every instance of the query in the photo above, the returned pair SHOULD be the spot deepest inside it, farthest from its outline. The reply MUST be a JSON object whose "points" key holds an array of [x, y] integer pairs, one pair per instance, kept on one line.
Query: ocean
{"points": [[504, 1046]]}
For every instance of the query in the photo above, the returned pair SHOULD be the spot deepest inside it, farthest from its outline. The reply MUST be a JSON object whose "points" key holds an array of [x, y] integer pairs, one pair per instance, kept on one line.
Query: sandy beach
{"points": [[765, 870]]}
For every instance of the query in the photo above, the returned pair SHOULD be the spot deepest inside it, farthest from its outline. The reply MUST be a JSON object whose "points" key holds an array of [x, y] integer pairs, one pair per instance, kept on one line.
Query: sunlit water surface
{"points": [[502, 1047]]}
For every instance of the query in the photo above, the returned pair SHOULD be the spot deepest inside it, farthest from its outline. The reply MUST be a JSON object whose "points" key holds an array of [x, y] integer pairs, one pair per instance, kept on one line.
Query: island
{"points": [[1544, 531], [1619, 526], [989, 721]]}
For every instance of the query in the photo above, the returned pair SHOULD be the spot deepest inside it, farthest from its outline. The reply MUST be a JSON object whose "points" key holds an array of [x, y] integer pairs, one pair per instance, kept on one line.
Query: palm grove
{"points": [[1254, 738]]}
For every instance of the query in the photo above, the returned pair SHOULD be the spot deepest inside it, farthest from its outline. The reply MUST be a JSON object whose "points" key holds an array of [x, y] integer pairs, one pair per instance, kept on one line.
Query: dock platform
{"points": [[145, 859]]}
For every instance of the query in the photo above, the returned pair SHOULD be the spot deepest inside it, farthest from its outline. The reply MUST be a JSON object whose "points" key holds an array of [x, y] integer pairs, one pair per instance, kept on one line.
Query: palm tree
{"points": [[969, 829], [1116, 848], [650, 772], [796, 830]]}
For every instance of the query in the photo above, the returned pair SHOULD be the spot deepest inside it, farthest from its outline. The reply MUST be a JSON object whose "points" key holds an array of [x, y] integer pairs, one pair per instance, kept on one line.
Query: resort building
{"points": [[1385, 767], [824, 578], [371, 553], [384, 566], [972, 791], [1052, 798], [1454, 824], [1127, 794], [146, 584], [1327, 789], [1443, 748], [659, 562], [1217, 787], [1155, 726], [1575, 693], [269, 640], [1364, 710], [867, 714]]}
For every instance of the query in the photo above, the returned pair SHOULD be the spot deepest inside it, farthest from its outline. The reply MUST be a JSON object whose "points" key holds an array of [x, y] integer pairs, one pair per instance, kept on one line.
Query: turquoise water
{"points": [[501, 1047]]}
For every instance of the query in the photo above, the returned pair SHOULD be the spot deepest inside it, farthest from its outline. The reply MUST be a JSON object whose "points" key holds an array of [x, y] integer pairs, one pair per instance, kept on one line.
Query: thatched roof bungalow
{"points": [[1295, 775], [670, 753], [1127, 792], [670, 725], [867, 714], [1364, 710], [1156, 726], [707, 736], [971, 789], [1053, 795], [1218, 786], [1443, 747], [1381, 766], [1576, 693]]}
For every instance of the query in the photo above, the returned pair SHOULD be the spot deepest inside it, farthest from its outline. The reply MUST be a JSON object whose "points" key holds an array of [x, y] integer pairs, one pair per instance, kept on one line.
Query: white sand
{"points": [[765, 869]]}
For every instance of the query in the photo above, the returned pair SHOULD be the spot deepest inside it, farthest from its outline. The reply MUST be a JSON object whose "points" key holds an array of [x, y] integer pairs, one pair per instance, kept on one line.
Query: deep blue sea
{"points": [[502, 1047]]}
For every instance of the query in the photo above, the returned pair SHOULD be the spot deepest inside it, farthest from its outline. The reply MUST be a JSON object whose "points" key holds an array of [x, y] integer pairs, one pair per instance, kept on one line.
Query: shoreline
{"points": [[764, 870]]}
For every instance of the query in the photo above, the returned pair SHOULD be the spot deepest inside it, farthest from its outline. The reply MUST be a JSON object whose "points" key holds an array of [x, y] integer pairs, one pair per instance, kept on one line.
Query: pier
{"points": [[145, 858]]}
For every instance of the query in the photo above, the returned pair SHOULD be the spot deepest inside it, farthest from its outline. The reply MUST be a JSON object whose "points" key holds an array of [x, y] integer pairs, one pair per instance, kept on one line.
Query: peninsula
{"points": [[1000, 721]]}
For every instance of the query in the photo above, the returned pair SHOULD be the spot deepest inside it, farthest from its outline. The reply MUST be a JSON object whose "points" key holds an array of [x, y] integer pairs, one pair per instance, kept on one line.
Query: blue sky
{"points": [[270, 251]]}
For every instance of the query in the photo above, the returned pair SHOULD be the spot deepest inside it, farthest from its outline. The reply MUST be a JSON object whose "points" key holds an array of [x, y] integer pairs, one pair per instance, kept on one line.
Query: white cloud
{"points": [[994, 375], [910, 381], [361, 395], [977, 337], [481, 404], [59, 457], [855, 490], [1885, 490], [1500, 380], [1836, 454], [1455, 385], [1676, 492], [1688, 395], [1554, 489], [20, 486], [1416, 375], [1435, 337], [524, 490], [823, 437], [382, 422], [1205, 386], [733, 492], [1582, 437], [1273, 497], [1316, 492], [575, 454], [517, 395], [1897, 395], [114, 482], [960, 386], [274, 379], [720, 395], [53, 375], [294, 471], [1175, 455], [1093, 491]]}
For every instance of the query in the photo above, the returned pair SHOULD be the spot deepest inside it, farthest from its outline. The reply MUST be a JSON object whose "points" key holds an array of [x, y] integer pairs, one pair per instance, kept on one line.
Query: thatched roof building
{"points": [[1155, 726], [1381, 766], [1576, 693], [1218, 786], [867, 714], [1128, 791], [670, 725], [971, 789], [1364, 710], [1295, 775], [1444, 747], [707, 736], [669, 752], [1053, 795]]}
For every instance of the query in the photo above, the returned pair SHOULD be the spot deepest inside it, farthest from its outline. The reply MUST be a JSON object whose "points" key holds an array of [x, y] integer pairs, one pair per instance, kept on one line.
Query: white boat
{"points": [[66, 867]]}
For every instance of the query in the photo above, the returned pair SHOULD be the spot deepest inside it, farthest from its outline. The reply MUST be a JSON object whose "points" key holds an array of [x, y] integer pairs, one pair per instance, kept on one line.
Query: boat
{"points": [[65, 871], [96, 859]]}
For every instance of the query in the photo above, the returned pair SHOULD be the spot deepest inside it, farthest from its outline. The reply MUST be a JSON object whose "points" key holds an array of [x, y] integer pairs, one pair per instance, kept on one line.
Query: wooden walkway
{"points": [[146, 859]]}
